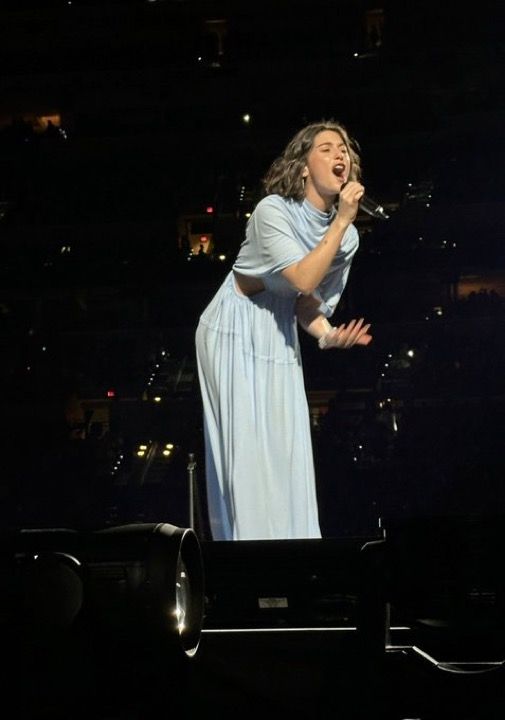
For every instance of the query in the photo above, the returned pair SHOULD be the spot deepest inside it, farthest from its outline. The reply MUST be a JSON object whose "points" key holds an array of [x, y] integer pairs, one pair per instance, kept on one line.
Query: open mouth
{"points": [[339, 170]]}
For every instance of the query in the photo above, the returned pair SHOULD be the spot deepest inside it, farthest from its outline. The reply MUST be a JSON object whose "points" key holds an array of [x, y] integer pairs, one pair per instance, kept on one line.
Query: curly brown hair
{"points": [[284, 177]]}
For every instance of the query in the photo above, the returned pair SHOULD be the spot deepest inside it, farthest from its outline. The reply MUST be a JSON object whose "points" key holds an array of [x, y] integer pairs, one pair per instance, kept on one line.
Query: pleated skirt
{"points": [[258, 452]]}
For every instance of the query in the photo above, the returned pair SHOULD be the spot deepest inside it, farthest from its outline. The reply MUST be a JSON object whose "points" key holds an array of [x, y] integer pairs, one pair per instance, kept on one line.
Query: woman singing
{"points": [[291, 269]]}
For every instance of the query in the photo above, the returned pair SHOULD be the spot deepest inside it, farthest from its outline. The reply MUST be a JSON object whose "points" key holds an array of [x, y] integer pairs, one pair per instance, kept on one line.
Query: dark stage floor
{"points": [[319, 674], [287, 674]]}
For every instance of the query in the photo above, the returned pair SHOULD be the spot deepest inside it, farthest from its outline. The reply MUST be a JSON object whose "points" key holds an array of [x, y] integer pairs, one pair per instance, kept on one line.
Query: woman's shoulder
{"points": [[275, 204]]}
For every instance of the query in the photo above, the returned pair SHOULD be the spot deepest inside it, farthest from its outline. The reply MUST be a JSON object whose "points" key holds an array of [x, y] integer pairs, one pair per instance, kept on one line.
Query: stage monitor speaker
{"points": [[336, 583]]}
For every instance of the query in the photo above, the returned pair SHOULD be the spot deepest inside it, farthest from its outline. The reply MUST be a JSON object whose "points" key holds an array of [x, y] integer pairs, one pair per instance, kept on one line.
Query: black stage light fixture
{"points": [[131, 579], [100, 613], [146, 580], [41, 586]]}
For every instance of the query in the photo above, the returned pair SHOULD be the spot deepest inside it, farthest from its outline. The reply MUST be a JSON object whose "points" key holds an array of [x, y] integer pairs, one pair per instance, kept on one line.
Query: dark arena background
{"points": [[133, 139]]}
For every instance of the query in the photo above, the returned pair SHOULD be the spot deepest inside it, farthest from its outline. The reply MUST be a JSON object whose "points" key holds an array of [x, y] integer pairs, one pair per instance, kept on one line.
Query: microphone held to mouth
{"points": [[372, 207]]}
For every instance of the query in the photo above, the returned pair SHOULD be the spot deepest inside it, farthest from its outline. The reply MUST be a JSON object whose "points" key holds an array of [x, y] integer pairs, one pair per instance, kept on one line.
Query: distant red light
{"points": [[209, 209], [111, 393], [204, 239]]}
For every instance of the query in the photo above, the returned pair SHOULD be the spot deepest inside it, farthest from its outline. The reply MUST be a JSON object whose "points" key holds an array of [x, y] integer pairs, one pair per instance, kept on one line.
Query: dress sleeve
{"points": [[271, 244], [330, 290]]}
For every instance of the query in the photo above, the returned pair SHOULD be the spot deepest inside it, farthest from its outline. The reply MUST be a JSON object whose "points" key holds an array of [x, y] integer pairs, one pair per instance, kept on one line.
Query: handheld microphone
{"points": [[372, 207]]}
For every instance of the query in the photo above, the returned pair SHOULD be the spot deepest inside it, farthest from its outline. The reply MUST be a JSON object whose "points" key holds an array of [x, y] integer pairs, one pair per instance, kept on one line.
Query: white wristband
{"points": [[323, 341]]}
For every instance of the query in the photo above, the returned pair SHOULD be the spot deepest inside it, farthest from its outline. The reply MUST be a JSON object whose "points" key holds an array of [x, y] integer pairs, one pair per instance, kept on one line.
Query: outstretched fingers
{"points": [[364, 338], [352, 332], [345, 336]]}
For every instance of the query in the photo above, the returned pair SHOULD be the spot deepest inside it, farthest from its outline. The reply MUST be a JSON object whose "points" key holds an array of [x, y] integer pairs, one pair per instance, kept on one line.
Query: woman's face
{"points": [[327, 168]]}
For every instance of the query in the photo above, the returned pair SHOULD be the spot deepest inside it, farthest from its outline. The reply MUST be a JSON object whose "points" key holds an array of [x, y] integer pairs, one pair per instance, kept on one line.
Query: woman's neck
{"points": [[324, 204]]}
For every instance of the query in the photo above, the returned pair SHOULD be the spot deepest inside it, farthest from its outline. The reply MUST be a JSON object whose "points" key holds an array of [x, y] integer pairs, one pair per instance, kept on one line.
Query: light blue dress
{"points": [[258, 451]]}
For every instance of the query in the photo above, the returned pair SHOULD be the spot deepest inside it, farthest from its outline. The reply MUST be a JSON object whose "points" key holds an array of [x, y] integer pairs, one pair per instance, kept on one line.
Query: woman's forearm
{"points": [[310, 318], [307, 274]]}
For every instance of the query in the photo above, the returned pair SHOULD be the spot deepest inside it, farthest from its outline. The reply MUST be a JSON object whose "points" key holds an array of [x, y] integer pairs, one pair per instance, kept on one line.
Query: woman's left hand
{"points": [[346, 336]]}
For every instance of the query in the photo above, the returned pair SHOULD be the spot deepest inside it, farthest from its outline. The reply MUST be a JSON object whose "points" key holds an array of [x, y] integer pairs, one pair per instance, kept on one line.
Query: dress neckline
{"points": [[324, 216]]}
